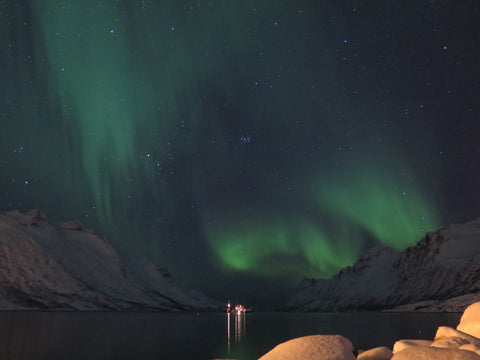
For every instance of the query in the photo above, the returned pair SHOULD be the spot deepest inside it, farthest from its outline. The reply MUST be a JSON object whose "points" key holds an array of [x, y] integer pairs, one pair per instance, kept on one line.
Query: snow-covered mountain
{"points": [[46, 265], [440, 273]]}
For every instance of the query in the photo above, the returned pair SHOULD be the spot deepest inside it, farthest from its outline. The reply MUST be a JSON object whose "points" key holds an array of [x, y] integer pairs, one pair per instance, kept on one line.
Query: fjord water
{"points": [[145, 336]]}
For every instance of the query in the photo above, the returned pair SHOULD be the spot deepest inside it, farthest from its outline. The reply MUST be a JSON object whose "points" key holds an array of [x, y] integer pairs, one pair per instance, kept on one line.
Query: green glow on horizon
{"points": [[358, 210], [274, 249]]}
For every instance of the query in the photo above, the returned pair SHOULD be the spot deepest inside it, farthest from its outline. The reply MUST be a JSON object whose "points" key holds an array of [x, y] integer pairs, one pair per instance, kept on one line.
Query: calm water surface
{"points": [[98, 335]]}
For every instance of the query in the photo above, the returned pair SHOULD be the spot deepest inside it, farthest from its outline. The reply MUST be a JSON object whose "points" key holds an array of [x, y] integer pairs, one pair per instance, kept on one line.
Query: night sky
{"points": [[243, 144]]}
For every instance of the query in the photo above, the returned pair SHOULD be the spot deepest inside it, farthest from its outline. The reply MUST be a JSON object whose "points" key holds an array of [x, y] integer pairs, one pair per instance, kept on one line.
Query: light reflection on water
{"points": [[240, 328]]}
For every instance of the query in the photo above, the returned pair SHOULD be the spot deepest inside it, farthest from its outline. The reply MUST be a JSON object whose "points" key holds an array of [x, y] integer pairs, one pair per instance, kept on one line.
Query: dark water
{"points": [[53, 335]]}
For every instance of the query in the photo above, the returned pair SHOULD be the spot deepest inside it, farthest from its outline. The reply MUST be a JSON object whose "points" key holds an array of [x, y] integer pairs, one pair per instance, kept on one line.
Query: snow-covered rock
{"points": [[401, 345], [470, 347], [450, 342], [439, 273], [319, 347], [433, 353], [444, 332], [470, 321], [46, 265], [378, 353]]}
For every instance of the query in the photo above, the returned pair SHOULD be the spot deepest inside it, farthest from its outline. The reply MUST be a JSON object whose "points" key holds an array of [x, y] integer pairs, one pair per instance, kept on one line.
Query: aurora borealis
{"points": [[242, 142]]}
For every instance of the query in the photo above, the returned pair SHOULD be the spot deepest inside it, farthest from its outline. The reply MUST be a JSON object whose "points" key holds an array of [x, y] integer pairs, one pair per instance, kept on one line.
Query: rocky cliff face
{"points": [[441, 272], [45, 265]]}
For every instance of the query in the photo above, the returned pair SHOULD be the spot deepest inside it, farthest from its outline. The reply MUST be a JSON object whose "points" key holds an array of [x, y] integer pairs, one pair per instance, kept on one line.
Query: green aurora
{"points": [[370, 209], [393, 215], [225, 139], [94, 82], [277, 250]]}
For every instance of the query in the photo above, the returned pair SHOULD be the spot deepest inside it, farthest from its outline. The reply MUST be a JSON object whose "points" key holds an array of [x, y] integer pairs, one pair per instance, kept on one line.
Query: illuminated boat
{"points": [[237, 309]]}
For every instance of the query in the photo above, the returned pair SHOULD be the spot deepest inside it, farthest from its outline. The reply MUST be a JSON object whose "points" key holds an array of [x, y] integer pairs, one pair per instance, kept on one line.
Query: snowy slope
{"points": [[441, 272], [44, 265]]}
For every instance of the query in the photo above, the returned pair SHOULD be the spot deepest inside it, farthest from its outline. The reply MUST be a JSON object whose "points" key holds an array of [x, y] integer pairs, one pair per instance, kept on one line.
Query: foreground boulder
{"points": [[450, 342], [315, 347], [401, 345], [470, 347], [470, 321], [433, 353], [445, 332], [379, 353]]}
